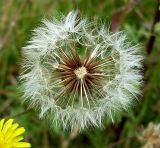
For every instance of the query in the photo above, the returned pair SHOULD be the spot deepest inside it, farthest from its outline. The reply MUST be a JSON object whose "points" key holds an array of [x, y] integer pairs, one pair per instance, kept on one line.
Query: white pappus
{"points": [[74, 72]]}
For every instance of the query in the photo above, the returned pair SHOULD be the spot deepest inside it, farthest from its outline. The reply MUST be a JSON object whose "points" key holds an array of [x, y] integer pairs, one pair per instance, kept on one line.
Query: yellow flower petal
{"points": [[11, 130], [15, 139], [18, 131], [7, 125], [1, 137], [1, 124], [18, 139], [22, 145]]}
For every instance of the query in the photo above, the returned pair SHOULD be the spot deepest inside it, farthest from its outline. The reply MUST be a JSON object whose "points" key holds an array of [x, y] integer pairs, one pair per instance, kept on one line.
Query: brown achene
{"points": [[80, 75]]}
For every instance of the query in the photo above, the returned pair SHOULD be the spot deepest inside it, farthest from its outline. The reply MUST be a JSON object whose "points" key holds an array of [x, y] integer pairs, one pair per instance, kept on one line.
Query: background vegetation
{"points": [[140, 19]]}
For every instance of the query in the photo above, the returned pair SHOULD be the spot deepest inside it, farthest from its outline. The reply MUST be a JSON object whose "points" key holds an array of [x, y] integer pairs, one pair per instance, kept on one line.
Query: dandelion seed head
{"points": [[75, 73]]}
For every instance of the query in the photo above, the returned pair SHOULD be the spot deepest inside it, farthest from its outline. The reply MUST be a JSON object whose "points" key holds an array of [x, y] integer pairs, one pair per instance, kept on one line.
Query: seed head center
{"points": [[80, 72]]}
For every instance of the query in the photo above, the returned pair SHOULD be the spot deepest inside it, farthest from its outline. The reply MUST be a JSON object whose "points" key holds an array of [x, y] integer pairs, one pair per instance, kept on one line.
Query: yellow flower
{"points": [[10, 135]]}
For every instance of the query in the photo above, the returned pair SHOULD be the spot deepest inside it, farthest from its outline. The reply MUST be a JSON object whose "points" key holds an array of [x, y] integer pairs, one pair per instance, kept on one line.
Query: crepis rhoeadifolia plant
{"points": [[75, 73]]}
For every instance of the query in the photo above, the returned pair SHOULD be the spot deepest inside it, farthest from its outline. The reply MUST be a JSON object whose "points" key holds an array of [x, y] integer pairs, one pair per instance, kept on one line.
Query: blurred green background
{"points": [[139, 18]]}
